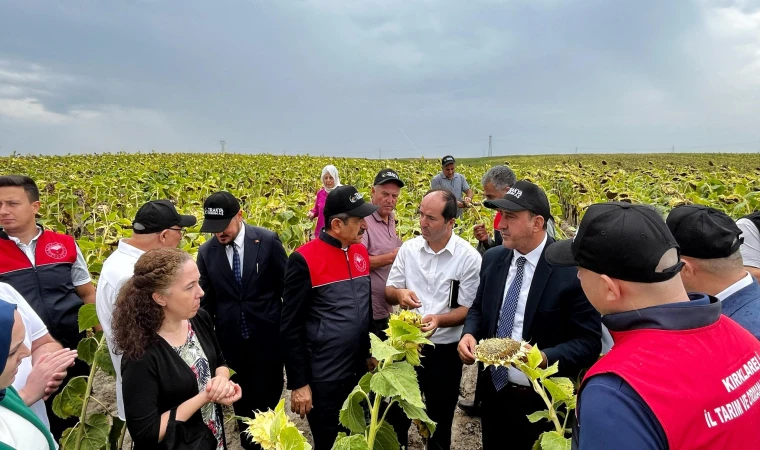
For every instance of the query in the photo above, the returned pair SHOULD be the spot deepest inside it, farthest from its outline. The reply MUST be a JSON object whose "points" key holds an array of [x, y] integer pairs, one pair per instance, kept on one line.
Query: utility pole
{"points": [[674, 149], [490, 149], [224, 145]]}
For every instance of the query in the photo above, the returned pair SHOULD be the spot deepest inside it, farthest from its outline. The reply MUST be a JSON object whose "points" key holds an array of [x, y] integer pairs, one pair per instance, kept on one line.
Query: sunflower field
{"points": [[95, 197]]}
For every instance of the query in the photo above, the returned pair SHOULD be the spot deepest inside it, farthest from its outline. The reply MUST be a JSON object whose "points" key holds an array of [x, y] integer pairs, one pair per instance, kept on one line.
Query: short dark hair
{"points": [[22, 181], [343, 217], [450, 207]]}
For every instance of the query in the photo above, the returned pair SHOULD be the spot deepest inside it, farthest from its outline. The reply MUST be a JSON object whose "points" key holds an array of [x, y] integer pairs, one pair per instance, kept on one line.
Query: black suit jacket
{"points": [[259, 297], [558, 316]]}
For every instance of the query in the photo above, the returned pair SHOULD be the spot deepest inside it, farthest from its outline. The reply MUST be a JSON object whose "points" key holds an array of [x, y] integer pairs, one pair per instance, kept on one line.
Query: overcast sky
{"points": [[350, 77]]}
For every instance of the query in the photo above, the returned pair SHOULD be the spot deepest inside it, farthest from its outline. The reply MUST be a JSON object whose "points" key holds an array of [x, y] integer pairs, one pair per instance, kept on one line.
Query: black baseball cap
{"points": [[347, 200], [704, 232], [158, 215], [218, 210], [524, 195], [388, 176], [446, 160], [620, 240]]}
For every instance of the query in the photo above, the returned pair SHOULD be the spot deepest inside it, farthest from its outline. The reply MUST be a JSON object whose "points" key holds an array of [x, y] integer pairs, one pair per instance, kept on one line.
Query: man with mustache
{"points": [[242, 273], [327, 315], [437, 275]]}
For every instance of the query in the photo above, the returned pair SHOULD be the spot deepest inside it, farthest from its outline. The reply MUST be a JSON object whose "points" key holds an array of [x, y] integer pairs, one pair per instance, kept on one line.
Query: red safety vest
{"points": [[702, 384]]}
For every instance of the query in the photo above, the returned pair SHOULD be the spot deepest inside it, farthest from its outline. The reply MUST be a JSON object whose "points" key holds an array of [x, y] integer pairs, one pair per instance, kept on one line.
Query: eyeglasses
{"points": [[180, 230]]}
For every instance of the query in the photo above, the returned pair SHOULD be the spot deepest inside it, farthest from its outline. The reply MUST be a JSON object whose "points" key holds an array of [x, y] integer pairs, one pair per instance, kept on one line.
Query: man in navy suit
{"points": [[242, 273], [523, 297], [710, 244]]}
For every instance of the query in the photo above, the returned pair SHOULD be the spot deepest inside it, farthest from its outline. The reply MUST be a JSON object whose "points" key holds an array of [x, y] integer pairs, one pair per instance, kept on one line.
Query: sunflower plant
{"points": [[393, 382], [556, 392]]}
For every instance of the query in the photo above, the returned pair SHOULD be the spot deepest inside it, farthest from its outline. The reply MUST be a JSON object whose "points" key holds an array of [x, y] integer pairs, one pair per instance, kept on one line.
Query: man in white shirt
{"points": [[523, 297], [437, 274], [157, 224], [750, 226], [710, 244], [40, 376]]}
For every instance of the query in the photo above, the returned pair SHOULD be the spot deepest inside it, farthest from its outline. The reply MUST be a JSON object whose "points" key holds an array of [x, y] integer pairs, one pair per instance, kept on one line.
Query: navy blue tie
{"points": [[239, 278], [506, 320]]}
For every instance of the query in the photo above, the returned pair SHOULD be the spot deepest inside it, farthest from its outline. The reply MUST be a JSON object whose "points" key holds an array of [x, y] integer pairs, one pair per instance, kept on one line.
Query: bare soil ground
{"points": [[465, 434]]}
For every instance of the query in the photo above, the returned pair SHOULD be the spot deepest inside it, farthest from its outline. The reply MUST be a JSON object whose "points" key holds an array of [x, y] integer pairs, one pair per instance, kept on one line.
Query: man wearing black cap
{"points": [[452, 181], [382, 242], [327, 315], [524, 297], [157, 224], [680, 375], [710, 242], [242, 274]]}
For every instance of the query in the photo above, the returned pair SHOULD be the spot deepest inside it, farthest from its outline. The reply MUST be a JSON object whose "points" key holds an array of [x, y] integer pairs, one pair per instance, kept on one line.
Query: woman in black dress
{"points": [[174, 374]]}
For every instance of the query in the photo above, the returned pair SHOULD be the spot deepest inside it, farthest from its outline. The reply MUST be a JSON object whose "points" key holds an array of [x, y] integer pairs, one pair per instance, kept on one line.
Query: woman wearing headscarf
{"points": [[173, 372], [330, 180], [20, 428]]}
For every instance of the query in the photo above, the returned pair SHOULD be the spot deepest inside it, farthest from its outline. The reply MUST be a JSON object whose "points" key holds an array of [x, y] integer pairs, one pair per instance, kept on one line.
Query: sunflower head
{"points": [[499, 351]]}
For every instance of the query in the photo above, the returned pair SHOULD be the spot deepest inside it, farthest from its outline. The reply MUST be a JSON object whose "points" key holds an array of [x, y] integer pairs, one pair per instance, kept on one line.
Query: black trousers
{"points": [[58, 425], [260, 380], [327, 398], [440, 376], [504, 415]]}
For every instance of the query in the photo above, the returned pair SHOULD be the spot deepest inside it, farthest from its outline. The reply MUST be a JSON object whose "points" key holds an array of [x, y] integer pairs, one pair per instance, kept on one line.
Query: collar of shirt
{"points": [[450, 246], [325, 237], [129, 250], [239, 239], [379, 219], [31, 243], [736, 287], [533, 256], [700, 311]]}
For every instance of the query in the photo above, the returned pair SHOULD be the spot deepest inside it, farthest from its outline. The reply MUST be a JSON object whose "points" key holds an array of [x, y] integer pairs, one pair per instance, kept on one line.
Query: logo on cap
{"points": [[355, 197], [390, 174], [56, 250], [360, 263], [515, 192], [214, 211]]}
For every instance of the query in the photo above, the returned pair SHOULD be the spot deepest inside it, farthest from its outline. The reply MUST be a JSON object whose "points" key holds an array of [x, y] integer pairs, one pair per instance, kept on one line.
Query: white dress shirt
{"points": [[736, 287], [79, 273], [117, 269], [429, 274], [239, 244], [751, 246], [514, 375], [35, 329]]}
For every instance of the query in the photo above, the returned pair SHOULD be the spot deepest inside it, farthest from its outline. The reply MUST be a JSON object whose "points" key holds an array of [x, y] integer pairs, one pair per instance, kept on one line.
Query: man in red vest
{"points": [[47, 269], [327, 315], [680, 375]]}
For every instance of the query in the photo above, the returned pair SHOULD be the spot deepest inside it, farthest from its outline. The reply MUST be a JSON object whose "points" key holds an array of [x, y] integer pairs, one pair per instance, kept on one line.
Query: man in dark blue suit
{"points": [[242, 273], [710, 244], [523, 297]]}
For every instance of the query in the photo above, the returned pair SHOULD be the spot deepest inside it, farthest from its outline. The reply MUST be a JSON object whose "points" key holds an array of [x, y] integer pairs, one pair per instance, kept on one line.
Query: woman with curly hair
{"points": [[173, 371]]}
